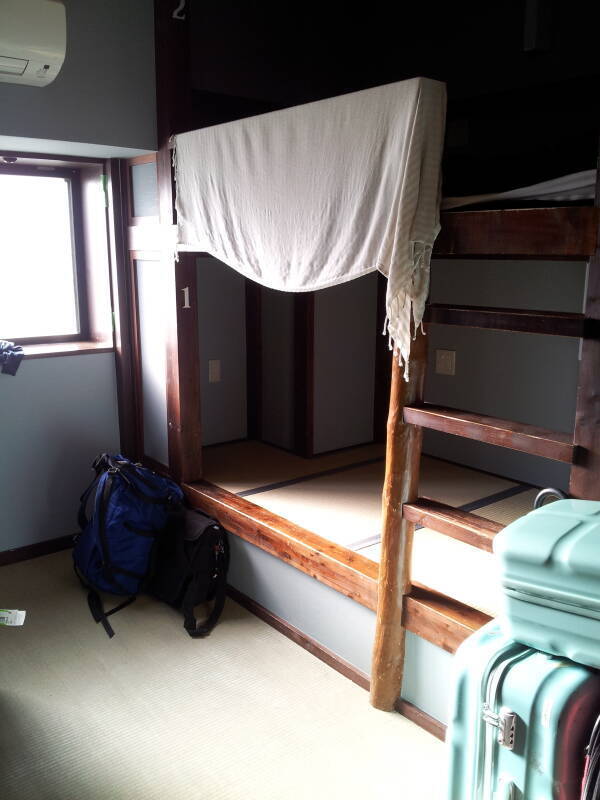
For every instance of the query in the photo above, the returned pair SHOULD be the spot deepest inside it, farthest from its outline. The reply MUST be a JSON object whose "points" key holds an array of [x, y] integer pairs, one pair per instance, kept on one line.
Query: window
{"points": [[42, 295]]}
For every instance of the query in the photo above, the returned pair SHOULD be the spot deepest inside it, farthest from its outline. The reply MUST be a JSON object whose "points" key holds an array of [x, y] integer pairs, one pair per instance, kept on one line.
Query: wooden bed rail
{"points": [[556, 233]]}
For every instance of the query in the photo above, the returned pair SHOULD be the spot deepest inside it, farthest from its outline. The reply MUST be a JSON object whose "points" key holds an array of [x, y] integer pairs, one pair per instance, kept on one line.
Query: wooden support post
{"points": [[173, 96], [123, 293], [183, 373], [585, 473], [401, 486]]}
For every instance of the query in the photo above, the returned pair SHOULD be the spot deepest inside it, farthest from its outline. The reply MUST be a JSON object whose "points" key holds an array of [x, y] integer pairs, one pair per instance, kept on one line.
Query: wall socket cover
{"points": [[445, 362], [214, 370]]}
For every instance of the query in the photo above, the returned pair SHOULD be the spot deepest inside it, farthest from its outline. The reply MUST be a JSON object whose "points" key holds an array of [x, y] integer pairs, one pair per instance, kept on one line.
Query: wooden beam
{"points": [[501, 319], [183, 374], [504, 433], [561, 233], [123, 302], [183, 358], [343, 570], [585, 473], [461, 525], [439, 619], [401, 485]]}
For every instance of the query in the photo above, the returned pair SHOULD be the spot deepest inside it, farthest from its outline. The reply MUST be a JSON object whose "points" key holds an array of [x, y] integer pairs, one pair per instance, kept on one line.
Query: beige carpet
{"points": [[243, 715]]}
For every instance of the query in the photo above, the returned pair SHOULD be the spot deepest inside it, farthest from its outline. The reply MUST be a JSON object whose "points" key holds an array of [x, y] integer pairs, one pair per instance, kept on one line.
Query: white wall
{"points": [[154, 292], [338, 623], [57, 415], [105, 92], [277, 328], [345, 336], [522, 377]]}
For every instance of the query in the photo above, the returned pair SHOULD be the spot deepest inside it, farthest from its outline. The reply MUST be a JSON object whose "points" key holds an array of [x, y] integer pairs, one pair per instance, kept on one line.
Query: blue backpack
{"points": [[114, 551]]}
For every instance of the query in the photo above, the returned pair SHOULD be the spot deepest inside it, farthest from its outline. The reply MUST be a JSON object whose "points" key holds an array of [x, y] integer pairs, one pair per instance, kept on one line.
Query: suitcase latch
{"points": [[505, 721]]}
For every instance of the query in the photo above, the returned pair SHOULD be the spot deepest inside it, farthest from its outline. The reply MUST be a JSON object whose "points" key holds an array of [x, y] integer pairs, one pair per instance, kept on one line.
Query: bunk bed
{"points": [[555, 233], [563, 233]]}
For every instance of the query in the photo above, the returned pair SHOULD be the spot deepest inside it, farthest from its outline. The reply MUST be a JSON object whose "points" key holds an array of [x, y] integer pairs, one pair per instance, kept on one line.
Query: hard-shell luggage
{"points": [[550, 562], [520, 723]]}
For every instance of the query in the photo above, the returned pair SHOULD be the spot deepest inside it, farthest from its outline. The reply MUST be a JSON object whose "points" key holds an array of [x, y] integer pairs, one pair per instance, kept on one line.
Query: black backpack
{"points": [[192, 559]]}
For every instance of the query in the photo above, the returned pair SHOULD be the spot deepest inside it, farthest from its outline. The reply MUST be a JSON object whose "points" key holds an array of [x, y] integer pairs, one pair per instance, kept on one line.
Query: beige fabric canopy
{"points": [[319, 194]]}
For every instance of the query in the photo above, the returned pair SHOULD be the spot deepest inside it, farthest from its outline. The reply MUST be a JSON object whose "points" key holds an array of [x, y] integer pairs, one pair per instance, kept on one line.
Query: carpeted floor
{"points": [[244, 715]]}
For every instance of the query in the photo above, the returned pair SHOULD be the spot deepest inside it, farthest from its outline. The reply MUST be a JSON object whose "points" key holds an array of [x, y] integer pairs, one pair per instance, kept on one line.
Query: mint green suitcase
{"points": [[550, 561], [520, 721]]}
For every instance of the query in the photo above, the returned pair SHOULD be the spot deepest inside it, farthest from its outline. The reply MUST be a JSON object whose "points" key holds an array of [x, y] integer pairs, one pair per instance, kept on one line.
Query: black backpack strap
{"points": [[190, 623], [97, 607], [100, 615], [195, 630]]}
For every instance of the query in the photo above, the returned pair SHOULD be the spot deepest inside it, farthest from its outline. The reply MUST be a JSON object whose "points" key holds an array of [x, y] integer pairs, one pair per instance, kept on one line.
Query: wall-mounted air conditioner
{"points": [[33, 41]]}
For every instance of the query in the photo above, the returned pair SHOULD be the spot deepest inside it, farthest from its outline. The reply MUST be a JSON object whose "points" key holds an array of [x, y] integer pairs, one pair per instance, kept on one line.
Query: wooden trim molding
{"points": [[344, 570], [421, 718], [315, 648], [296, 635], [35, 550]]}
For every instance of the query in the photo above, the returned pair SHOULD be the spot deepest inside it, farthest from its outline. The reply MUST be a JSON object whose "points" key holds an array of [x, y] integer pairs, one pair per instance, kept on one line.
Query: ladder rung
{"points": [[470, 528], [506, 319], [501, 432], [441, 620]]}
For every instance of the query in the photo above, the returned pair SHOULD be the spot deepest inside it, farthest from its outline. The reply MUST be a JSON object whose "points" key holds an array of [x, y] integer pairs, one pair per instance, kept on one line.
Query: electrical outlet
{"points": [[214, 371], [445, 362]]}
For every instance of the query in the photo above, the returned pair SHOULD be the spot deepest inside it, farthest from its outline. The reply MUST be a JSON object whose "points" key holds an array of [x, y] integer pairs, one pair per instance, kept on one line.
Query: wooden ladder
{"points": [[403, 509]]}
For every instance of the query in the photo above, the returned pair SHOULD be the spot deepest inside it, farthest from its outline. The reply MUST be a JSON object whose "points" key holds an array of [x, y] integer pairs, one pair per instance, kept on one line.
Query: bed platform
{"points": [[323, 516], [338, 497]]}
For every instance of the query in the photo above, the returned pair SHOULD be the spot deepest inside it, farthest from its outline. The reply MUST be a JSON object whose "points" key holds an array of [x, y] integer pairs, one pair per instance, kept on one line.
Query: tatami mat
{"points": [[345, 507], [458, 570], [152, 714], [241, 466]]}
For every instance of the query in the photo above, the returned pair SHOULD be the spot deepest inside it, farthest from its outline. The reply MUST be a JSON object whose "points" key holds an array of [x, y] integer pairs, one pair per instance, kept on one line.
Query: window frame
{"points": [[73, 176]]}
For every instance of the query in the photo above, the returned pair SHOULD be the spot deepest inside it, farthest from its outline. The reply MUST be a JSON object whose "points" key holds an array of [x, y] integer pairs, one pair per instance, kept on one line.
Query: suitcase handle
{"points": [[545, 494]]}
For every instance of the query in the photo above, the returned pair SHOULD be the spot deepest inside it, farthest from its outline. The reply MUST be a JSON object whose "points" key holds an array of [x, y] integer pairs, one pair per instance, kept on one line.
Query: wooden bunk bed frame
{"points": [[569, 233]]}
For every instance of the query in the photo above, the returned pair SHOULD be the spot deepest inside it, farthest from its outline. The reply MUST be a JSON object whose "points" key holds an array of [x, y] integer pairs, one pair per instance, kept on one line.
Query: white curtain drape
{"points": [[316, 195]]}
